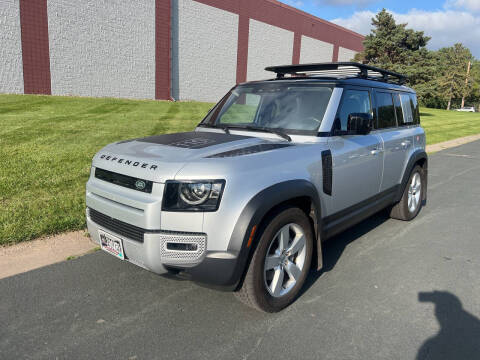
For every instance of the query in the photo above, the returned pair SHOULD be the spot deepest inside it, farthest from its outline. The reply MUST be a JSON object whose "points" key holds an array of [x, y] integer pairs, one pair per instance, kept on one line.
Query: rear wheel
{"points": [[411, 202], [280, 263]]}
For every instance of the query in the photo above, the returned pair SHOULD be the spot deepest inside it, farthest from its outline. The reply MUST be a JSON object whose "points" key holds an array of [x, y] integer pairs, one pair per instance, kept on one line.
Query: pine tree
{"points": [[394, 47], [453, 65], [437, 76]]}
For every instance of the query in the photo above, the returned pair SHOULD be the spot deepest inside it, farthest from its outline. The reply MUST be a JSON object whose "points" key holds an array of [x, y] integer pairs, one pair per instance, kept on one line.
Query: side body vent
{"points": [[248, 150], [327, 171]]}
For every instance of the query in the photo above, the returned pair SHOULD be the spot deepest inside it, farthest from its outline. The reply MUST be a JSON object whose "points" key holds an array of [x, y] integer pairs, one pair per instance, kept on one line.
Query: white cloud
{"points": [[294, 3], [471, 5], [360, 21], [444, 27]]}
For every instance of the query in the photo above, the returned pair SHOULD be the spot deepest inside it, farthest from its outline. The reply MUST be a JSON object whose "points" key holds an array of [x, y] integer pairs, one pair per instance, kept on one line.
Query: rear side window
{"points": [[386, 110], [416, 110], [353, 101], [398, 108], [408, 110]]}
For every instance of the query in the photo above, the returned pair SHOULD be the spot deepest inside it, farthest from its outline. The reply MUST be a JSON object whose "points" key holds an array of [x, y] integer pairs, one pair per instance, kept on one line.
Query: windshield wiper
{"points": [[262, 129], [224, 128]]}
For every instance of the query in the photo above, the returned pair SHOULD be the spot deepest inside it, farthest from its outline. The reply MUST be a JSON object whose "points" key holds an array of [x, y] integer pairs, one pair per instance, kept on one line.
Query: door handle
{"points": [[375, 151], [406, 143]]}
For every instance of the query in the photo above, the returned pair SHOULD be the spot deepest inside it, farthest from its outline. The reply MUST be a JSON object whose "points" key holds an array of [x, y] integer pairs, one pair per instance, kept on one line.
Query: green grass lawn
{"points": [[442, 125], [47, 143]]}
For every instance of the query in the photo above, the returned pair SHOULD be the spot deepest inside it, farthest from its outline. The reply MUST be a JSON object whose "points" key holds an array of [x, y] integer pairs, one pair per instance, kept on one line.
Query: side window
{"points": [[398, 108], [415, 109], [386, 110], [408, 110], [353, 101]]}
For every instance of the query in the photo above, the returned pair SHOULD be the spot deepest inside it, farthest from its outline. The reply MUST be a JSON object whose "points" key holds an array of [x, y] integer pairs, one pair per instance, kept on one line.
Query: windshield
{"points": [[292, 108]]}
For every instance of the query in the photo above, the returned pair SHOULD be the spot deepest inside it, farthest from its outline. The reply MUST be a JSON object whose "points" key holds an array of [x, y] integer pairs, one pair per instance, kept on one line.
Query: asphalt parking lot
{"points": [[389, 290]]}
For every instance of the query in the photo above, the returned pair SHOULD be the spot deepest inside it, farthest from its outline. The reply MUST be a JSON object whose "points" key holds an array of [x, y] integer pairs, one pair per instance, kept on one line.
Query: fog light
{"points": [[181, 247]]}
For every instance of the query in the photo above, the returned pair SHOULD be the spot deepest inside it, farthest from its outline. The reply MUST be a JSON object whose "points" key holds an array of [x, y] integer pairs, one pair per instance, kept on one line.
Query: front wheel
{"points": [[280, 263], [411, 202]]}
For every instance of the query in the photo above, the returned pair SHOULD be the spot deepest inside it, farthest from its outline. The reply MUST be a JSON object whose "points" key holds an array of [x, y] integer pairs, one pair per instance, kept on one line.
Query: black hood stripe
{"points": [[193, 139], [249, 150]]}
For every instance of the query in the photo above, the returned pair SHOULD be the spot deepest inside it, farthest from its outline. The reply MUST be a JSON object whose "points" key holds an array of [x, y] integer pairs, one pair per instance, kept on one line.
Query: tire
{"points": [[271, 290], [407, 209]]}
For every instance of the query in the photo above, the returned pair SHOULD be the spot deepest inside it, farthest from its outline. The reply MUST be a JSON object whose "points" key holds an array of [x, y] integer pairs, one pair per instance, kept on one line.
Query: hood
{"points": [[159, 158]]}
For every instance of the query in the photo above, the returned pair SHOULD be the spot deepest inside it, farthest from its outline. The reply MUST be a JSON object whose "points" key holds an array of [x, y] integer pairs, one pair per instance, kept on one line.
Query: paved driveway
{"points": [[389, 290]]}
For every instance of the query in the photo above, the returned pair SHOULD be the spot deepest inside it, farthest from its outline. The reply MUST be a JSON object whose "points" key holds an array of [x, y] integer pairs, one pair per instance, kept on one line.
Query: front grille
{"points": [[117, 226], [124, 180]]}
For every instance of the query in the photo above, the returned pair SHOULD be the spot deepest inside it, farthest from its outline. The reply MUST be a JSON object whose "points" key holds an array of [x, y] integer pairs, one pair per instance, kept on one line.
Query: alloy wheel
{"points": [[414, 192], [285, 260]]}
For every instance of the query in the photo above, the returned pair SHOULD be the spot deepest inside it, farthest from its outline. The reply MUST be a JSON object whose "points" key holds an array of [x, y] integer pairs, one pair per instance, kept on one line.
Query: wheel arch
{"points": [[418, 157], [265, 204]]}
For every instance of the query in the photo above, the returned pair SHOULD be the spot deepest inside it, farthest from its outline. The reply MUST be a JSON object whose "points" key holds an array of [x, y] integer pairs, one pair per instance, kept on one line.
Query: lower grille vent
{"points": [[117, 226]]}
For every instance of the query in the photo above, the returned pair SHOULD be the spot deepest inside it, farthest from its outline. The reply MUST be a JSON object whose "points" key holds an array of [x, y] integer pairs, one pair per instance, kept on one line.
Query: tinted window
{"points": [[416, 110], [386, 110], [408, 110], [353, 101], [398, 108]]}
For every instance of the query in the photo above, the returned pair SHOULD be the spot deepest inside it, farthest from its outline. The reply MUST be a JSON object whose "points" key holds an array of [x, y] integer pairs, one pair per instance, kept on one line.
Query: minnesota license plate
{"points": [[111, 244]]}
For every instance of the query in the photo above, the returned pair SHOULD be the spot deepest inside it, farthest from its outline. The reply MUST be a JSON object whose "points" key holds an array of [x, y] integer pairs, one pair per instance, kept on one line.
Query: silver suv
{"points": [[245, 201]]}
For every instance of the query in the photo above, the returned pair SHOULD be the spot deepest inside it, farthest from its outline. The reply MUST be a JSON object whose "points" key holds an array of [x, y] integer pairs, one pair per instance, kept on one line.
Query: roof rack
{"points": [[338, 70]]}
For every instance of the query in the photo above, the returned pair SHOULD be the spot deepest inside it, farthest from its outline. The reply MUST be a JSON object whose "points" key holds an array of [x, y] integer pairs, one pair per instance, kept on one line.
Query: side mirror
{"points": [[359, 123]]}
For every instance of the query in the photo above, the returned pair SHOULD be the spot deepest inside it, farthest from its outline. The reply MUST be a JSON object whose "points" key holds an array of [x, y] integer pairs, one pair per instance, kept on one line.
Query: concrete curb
{"points": [[452, 143], [41, 252]]}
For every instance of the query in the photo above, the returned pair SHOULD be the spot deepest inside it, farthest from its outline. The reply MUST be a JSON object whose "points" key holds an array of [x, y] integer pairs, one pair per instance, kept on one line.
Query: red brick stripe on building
{"points": [[335, 52], [242, 48], [297, 45], [278, 14], [163, 39], [35, 49]]}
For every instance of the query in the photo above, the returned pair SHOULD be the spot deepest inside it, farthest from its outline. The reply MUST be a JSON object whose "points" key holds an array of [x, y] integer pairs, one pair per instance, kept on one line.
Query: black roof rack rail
{"points": [[338, 69]]}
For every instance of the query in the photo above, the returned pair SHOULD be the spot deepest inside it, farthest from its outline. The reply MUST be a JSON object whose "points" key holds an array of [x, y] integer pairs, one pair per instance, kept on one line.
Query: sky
{"points": [[445, 21]]}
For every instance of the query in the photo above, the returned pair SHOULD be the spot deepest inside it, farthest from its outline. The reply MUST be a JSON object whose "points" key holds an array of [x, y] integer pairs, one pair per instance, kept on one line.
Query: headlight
{"points": [[192, 195]]}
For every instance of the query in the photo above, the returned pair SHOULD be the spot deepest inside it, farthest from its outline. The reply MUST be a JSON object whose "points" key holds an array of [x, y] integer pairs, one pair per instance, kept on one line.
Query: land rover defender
{"points": [[245, 200]]}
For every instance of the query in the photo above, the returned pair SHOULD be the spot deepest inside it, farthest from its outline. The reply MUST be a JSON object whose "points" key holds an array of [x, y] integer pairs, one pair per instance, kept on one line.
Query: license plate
{"points": [[111, 244]]}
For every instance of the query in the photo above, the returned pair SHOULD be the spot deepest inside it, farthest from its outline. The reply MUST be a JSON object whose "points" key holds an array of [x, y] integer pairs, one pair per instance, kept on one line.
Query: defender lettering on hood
{"points": [[128, 162]]}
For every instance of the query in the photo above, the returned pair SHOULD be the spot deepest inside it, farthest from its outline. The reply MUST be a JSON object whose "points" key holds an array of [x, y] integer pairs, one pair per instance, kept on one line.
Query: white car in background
{"points": [[467, 109]]}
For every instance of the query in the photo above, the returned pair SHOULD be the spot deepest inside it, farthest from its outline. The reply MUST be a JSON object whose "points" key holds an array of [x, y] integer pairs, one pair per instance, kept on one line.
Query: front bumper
{"points": [[217, 269]]}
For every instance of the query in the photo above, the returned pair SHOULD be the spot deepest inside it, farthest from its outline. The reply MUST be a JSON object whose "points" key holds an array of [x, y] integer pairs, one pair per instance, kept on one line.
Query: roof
{"points": [[339, 69], [341, 73], [338, 82]]}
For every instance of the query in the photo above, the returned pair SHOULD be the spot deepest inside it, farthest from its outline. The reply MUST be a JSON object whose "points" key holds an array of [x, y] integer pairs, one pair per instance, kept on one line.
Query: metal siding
{"points": [[11, 71], [345, 54], [268, 45], [205, 56], [315, 51], [102, 48]]}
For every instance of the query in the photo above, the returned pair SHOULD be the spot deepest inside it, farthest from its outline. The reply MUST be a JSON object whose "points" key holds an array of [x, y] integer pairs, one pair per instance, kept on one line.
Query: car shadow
{"points": [[333, 248], [459, 334]]}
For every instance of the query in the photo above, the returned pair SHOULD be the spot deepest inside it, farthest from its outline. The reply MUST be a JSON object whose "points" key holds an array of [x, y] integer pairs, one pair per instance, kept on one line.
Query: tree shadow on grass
{"points": [[459, 335], [333, 248]]}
